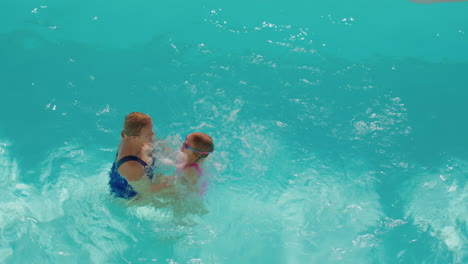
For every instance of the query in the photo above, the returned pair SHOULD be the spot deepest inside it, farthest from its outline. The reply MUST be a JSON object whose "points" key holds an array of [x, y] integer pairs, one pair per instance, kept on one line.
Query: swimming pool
{"points": [[339, 129]]}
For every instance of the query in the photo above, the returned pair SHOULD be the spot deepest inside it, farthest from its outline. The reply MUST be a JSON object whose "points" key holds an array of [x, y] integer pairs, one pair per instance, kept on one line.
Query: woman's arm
{"points": [[164, 183]]}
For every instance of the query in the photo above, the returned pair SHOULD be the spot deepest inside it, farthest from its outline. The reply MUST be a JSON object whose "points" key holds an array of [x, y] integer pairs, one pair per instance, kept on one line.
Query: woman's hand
{"points": [[164, 183], [168, 181]]}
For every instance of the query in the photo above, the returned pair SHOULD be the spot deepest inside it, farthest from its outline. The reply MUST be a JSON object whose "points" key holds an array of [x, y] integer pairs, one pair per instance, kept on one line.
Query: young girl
{"points": [[196, 147]]}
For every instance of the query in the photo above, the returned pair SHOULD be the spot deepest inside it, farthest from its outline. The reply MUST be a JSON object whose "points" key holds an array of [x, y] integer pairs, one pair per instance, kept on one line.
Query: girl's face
{"points": [[189, 155], [193, 155]]}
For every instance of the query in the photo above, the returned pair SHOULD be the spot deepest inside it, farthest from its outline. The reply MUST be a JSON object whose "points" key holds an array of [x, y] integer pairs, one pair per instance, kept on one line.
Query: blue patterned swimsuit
{"points": [[119, 186]]}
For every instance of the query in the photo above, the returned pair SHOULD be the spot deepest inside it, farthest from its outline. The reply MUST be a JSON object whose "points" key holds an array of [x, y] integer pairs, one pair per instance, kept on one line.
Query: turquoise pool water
{"points": [[340, 129]]}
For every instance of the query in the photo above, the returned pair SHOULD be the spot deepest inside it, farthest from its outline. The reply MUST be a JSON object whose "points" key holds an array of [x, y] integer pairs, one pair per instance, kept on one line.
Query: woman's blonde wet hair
{"points": [[134, 122]]}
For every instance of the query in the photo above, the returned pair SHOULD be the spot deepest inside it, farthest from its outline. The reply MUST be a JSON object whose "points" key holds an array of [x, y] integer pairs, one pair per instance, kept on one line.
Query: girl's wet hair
{"points": [[201, 141]]}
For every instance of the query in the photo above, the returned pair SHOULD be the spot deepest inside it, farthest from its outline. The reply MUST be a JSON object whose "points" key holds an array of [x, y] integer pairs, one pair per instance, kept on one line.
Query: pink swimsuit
{"points": [[204, 184], [197, 168]]}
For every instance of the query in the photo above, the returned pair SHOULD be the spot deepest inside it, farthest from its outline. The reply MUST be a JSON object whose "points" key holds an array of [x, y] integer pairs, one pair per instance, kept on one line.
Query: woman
{"points": [[132, 172]]}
